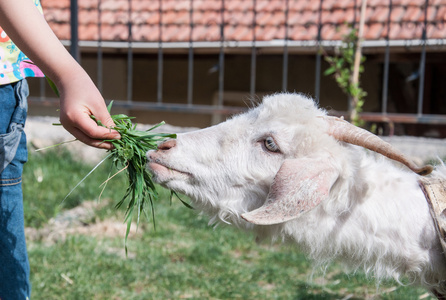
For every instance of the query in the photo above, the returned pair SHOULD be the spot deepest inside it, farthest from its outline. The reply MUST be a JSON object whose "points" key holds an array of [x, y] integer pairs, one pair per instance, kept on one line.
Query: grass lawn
{"points": [[183, 258]]}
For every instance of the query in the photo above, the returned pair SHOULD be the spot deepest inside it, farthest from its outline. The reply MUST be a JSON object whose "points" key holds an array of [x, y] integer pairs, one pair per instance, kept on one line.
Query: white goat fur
{"points": [[375, 217]]}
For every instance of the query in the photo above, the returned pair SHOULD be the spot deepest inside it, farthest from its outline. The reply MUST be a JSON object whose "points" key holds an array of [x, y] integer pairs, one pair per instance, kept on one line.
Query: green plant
{"points": [[342, 65], [129, 155]]}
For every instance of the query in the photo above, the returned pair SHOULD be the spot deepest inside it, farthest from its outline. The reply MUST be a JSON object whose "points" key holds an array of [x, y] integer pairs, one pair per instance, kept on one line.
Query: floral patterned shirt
{"points": [[14, 65]]}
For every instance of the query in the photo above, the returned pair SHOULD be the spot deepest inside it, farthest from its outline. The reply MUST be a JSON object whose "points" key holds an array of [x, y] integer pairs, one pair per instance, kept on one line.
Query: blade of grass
{"points": [[53, 86], [92, 170], [172, 193], [111, 177], [52, 146]]}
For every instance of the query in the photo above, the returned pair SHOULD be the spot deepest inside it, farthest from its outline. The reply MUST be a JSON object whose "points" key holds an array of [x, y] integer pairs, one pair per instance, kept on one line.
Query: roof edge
{"points": [[297, 46]]}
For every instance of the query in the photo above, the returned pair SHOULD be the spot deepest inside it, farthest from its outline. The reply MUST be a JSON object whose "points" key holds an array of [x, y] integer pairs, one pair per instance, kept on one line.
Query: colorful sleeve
{"points": [[14, 65]]}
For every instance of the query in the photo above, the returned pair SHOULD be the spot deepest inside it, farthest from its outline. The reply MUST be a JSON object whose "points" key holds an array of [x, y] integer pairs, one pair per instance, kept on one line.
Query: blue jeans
{"points": [[14, 265]]}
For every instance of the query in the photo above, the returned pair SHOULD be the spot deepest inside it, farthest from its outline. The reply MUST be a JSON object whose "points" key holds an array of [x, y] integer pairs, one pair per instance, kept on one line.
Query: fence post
{"points": [[74, 23], [159, 95], [317, 83], [221, 57], [130, 54], [99, 54], [386, 62], [253, 51], [285, 51], [422, 63], [190, 69], [358, 55]]}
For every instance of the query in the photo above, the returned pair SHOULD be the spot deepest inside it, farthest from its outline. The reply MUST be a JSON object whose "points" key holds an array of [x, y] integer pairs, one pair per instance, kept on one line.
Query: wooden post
{"points": [[357, 62]]}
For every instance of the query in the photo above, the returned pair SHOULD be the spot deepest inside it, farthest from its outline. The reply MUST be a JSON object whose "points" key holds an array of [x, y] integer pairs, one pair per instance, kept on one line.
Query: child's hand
{"points": [[79, 100]]}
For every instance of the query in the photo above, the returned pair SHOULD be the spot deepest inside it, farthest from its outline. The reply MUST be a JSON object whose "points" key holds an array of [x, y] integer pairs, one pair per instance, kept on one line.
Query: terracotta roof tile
{"points": [[312, 6], [199, 33], [394, 31], [338, 16], [88, 32], [431, 13], [260, 5], [207, 5], [146, 33], [373, 3], [373, 31], [400, 2], [62, 31], [379, 15], [88, 17], [206, 18], [61, 4], [57, 17], [302, 33], [418, 3], [330, 32], [437, 33], [397, 14], [153, 18], [239, 18], [139, 18], [349, 16], [170, 33], [116, 32], [88, 4], [184, 35], [170, 4], [265, 18], [326, 5], [116, 5], [169, 17], [407, 17], [413, 14], [441, 14], [344, 4]]}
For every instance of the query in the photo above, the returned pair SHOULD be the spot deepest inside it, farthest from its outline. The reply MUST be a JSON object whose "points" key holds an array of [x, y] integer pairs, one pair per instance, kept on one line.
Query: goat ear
{"points": [[299, 186]]}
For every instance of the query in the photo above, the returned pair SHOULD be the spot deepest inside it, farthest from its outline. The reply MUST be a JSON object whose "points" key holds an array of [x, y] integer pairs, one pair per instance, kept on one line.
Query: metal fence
{"points": [[314, 45]]}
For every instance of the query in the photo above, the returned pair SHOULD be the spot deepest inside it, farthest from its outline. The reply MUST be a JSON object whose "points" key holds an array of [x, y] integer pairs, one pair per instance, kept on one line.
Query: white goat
{"points": [[287, 171]]}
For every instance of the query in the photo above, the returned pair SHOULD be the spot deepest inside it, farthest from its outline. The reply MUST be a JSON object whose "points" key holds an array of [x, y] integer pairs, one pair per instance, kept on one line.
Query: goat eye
{"points": [[271, 145]]}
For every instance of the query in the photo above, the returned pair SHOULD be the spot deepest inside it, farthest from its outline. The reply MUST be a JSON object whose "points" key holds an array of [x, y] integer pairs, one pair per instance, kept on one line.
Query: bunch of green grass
{"points": [[129, 156]]}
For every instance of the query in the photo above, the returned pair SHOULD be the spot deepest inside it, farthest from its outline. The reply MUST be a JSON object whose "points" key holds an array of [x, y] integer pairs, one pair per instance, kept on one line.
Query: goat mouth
{"points": [[157, 167]]}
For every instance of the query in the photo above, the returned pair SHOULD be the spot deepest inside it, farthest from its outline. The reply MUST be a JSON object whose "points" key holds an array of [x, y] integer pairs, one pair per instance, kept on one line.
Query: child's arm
{"points": [[79, 96]]}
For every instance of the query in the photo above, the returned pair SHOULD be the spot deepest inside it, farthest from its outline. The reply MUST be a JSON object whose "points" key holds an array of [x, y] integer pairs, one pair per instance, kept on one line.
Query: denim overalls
{"points": [[14, 265]]}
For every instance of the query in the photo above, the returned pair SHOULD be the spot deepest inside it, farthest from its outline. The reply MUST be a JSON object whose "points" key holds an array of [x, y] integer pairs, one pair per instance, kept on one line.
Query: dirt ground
{"points": [[78, 220]]}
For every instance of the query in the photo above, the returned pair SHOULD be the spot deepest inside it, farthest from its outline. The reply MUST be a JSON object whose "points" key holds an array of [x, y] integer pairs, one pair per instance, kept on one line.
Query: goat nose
{"points": [[167, 145]]}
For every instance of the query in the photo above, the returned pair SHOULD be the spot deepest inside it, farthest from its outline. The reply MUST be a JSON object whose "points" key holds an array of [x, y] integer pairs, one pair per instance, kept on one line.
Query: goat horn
{"points": [[346, 132]]}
